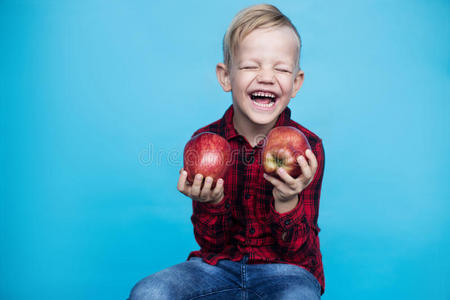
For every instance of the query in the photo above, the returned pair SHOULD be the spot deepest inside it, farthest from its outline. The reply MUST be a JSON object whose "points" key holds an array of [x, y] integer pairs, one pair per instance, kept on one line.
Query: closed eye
{"points": [[283, 70], [249, 68]]}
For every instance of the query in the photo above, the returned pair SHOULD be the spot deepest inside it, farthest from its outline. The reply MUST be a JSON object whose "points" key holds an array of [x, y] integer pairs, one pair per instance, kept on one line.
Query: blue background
{"points": [[98, 99]]}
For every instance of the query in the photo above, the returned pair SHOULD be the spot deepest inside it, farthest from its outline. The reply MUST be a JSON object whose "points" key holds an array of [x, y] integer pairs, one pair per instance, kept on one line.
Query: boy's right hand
{"points": [[195, 190]]}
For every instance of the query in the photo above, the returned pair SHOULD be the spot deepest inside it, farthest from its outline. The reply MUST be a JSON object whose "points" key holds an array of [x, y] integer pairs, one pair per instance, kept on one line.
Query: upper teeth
{"points": [[263, 94]]}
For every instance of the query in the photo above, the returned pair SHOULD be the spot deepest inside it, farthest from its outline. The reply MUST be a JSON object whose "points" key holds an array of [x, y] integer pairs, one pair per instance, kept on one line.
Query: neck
{"points": [[251, 131]]}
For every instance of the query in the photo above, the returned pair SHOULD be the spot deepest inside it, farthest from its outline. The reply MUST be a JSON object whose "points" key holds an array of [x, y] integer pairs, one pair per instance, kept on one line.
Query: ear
{"points": [[298, 81], [223, 76]]}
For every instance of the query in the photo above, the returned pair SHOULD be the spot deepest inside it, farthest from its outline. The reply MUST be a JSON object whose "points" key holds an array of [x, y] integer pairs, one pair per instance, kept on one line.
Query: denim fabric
{"points": [[195, 279]]}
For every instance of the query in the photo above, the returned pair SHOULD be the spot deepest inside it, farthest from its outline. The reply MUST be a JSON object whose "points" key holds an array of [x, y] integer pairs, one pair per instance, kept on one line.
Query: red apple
{"points": [[284, 144], [208, 154]]}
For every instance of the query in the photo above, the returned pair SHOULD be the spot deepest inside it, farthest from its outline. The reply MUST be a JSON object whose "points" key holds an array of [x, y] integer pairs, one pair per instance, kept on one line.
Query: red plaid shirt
{"points": [[245, 222]]}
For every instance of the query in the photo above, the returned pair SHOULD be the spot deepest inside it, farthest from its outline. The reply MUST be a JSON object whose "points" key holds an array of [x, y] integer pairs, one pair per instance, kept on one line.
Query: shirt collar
{"points": [[230, 132]]}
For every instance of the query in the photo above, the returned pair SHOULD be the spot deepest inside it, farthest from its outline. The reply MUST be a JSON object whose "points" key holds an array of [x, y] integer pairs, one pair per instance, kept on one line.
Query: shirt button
{"points": [[287, 222], [247, 196], [252, 230], [227, 205]]}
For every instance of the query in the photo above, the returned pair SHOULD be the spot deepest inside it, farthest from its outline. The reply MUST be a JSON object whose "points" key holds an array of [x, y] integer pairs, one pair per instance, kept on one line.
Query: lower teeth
{"points": [[264, 105]]}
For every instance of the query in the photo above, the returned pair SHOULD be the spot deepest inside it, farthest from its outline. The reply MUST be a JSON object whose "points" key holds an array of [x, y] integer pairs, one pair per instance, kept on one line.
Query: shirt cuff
{"points": [[288, 219], [212, 209]]}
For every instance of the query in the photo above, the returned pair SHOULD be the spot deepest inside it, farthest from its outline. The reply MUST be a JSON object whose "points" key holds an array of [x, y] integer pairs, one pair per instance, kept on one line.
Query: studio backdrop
{"points": [[98, 99]]}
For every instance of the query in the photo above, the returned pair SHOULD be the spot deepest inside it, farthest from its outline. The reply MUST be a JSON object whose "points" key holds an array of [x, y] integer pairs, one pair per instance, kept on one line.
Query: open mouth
{"points": [[265, 100]]}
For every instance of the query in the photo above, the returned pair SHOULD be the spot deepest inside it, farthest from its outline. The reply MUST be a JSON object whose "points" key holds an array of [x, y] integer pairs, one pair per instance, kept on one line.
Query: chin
{"points": [[262, 119]]}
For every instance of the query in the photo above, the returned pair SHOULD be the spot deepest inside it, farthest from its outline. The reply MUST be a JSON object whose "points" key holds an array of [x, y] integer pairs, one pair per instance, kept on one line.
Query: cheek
{"points": [[286, 84], [241, 81]]}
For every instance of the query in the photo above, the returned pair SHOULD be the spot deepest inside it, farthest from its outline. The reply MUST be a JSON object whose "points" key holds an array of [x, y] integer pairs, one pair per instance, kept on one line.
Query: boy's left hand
{"points": [[288, 188]]}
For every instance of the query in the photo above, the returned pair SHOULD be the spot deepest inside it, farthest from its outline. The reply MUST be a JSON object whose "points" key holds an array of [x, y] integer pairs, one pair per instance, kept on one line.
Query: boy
{"points": [[258, 234]]}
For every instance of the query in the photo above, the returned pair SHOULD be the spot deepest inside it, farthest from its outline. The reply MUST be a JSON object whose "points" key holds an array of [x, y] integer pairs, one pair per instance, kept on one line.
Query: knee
{"points": [[150, 288]]}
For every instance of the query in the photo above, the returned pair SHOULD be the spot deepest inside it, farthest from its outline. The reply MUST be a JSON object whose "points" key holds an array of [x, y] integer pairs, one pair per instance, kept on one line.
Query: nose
{"points": [[265, 76]]}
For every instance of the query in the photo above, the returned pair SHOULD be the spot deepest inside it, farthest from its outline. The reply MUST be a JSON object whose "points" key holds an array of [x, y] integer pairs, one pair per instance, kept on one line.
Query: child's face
{"points": [[264, 75]]}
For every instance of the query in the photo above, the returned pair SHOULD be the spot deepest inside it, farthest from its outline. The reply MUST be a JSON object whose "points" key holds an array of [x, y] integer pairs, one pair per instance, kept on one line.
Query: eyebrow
{"points": [[252, 60]]}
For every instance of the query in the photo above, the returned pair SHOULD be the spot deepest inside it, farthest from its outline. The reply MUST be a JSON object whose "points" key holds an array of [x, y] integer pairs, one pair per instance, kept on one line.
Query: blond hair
{"points": [[250, 19]]}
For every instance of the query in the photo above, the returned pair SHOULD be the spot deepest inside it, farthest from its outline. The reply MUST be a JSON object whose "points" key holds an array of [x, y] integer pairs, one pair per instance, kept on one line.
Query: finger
{"points": [[274, 181], [196, 186], [218, 189], [206, 190], [286, 177], [280, 188], [312, 160], [181, 186], [306, 170]]}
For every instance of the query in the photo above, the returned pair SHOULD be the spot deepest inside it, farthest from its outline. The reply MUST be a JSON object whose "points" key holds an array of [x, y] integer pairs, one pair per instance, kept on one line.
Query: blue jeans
{"points": [[195, 279]]}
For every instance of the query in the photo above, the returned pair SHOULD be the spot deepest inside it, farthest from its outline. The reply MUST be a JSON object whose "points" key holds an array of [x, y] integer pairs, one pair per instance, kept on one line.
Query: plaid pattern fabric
{"points": [[246, 222]]}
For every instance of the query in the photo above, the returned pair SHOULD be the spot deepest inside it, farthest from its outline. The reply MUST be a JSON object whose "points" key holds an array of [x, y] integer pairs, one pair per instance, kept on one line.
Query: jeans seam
{"points": [[243, 279], [214, 292]]}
